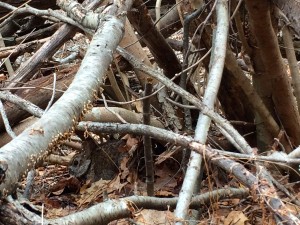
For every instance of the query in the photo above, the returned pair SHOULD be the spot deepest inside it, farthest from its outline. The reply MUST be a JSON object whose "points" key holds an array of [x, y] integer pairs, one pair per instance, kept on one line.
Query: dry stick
{"points": [[236, 9], [142, 98], [162, 52], [21, 48], [23, 104], [293, 65], [49, 14], [112, 111], [192, 181], [29, 184], [164, 135], [116, 89], [24, 73], [199, 32], [10, 7], [6, 122], [29, 87], [191, 98], [110, 210], [53, 93], [228, 137], [7, 58], [105, 212], [241, 33], [216, 156], [59, 121], [273, 201], [147, 141], [183, 78], [157, 13], [8, 65], [232, 167]]}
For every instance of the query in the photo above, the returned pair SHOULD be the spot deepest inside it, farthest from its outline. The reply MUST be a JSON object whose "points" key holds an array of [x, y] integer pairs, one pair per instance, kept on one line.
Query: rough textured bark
{"points": [[291, 9], [34, 3], [10, 28], [39, 97], [25, 72], [231, 92], [170, 23], [284, 101], [162, 52], [58, 123], [263, 86]]}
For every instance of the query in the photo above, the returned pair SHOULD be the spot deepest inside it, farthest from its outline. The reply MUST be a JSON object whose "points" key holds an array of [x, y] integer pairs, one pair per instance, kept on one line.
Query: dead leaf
{"points": [[138, 105], [130, 140], [96, 190], [2, 77], [72, 183], [166, 155], [91, 193], [163, 193], [155, 217], [123, 167], [236, 218]]}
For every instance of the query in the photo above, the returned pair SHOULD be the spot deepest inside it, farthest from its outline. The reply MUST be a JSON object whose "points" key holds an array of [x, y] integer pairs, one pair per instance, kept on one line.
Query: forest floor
{"points": [[61, 194]]}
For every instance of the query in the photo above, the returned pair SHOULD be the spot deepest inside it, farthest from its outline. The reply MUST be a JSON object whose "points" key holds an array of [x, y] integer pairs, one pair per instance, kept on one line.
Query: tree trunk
{"points": [[282, 96]]}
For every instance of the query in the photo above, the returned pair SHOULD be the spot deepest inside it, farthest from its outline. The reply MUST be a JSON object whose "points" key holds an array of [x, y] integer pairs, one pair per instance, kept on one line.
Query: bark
{"points": [[110, 210], [235, 88], [191, 183], [14, 51], [291, 9], [231, 94], [101, 114], [11, 27], [59, 122], [38, 96], [26, 71], [282, 96], [263, 86], [97, 114], [136, 49], [34, 3], [264, 189], [292, 60], [162, 52], [170, 23]]}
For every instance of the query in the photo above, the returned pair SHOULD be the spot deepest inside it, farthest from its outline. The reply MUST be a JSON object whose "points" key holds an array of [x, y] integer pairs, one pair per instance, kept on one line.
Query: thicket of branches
{"points": [[233, 72]]}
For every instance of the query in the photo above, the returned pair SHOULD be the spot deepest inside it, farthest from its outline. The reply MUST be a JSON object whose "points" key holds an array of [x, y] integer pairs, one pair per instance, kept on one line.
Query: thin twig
{"points": [[29, 184], [147, 141], [7, 62], [22, 103], [6, 122], [53, 93], [112, 111]]}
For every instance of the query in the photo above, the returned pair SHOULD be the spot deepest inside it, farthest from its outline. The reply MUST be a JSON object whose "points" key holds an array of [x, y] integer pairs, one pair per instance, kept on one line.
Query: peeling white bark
{"points": [[210, 95], [21, 154]]}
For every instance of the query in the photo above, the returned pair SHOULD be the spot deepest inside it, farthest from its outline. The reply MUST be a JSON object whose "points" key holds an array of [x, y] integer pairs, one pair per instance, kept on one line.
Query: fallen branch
{"points": [[105, 212], [59, 122]]}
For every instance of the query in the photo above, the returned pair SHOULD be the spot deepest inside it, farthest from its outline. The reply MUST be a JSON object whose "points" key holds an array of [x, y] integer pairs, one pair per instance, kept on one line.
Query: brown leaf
{"points": [[236, 217], [155, 217], [72, 183], [2, 77]]}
